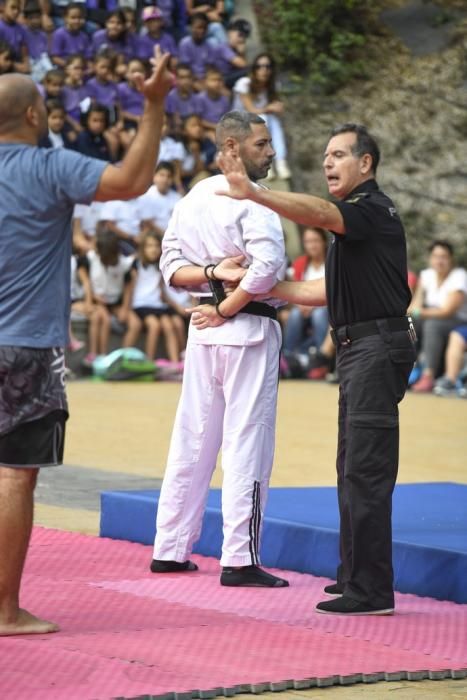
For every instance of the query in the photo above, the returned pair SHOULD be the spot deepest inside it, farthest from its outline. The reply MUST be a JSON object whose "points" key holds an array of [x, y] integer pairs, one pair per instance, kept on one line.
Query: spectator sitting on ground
{"points": [[172, 151], [92, 139], [156, 313], [213, 102], [131, 102], [215, 12], [175, 17], [52, 84], [231, 56], [74, 91], [70, 39], [37, 41], [59, 135], [116, 38], [156, 36], [257, 93], [6, 58], [182, 99], [130, 20], [109, 277], [15, 35], [438, 306], [82, 305], [196, 51], [102, 90], [454, 362], [161, 198], [199, 160], [307, 325]]}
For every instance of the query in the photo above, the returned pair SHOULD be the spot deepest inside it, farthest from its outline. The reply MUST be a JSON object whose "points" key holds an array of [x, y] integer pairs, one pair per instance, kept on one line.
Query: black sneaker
{"points": [[334, 589], [251, 576], [348, 606], [159, 566]]}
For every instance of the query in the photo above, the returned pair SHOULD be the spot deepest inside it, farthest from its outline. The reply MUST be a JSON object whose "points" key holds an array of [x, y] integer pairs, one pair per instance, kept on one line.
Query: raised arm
{"points": [[134, 176], [304, 209]]}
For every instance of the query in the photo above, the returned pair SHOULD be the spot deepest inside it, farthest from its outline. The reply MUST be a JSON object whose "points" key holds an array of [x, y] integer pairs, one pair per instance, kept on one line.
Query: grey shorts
{"points": [[33, 406]]}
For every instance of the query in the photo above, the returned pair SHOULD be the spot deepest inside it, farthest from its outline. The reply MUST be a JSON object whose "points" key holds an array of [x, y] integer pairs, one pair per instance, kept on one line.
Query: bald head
{"points": [[17, 94]]}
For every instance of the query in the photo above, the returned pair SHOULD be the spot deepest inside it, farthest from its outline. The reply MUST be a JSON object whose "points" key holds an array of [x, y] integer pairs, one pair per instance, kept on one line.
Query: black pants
{"points": [[373, 373]]}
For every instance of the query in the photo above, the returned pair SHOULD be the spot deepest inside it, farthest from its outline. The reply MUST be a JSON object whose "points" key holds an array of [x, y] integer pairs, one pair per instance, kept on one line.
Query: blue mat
{"points": [[301, 532]]}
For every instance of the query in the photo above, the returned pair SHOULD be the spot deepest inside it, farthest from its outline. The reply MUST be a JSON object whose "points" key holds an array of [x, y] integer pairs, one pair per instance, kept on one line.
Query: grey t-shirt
{"points": [[38, 190]]}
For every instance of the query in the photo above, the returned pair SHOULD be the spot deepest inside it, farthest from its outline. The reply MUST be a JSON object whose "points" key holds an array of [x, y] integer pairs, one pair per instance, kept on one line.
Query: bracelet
{"points": [[219, 313], [209, 267]]}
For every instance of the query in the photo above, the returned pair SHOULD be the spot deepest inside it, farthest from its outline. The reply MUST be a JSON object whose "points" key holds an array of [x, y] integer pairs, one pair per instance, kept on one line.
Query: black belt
{"points": [[344, 335], [256, 308]]}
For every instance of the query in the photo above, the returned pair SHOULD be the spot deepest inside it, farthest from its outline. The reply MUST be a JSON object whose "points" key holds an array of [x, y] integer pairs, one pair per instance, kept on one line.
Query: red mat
{"points": [[126, 632]]}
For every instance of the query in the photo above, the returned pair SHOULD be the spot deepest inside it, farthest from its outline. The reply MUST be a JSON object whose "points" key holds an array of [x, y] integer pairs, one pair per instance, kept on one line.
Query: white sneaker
{"points": [[282, 169]]}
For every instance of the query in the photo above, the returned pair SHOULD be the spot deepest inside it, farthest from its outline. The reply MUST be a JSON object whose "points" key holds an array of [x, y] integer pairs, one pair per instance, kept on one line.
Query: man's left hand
{"points": [[205, 316]]}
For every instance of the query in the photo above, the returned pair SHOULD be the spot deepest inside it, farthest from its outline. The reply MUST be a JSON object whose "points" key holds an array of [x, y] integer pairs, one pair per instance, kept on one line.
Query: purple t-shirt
{"points": [[15, 36], [71, 97], [224, 56], [213, 109], [147, 44], [198, 56], [65, 44], [104, 93], [175, 104], [128, 46], [37, 42], [131, 100]]}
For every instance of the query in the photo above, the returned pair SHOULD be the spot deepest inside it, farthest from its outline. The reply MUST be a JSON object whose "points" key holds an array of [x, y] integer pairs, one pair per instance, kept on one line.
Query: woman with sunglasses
{"points": [[257, 93]]}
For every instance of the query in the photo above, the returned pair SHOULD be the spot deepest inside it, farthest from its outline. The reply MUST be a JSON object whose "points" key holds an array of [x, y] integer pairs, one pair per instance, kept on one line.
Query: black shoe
{"points": [[334, 589], [251, 576], [348, 606], [159, 566]]}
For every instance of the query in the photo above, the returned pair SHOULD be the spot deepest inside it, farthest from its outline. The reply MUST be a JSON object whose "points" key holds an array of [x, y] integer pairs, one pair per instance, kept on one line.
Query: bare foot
{"points": [[27, 624]]}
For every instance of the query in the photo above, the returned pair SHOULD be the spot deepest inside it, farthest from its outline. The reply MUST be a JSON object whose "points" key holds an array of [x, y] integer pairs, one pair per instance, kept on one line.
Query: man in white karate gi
{"points": [[229, 390]]}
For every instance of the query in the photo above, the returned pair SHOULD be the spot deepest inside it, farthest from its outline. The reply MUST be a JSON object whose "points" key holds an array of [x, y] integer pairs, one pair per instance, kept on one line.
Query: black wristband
{"points": [[211, 267], [219, 313]]}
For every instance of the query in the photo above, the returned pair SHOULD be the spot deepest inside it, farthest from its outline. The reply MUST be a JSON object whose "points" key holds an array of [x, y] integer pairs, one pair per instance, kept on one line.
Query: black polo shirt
{"points": [[366, 268]]}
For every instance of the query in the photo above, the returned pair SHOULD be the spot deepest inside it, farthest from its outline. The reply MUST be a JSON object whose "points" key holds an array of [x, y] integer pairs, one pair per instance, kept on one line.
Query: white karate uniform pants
{"points": [[228, 400]]}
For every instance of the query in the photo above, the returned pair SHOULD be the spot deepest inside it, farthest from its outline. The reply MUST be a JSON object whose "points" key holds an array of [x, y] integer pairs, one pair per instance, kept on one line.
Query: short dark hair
{"points": [[107, 246], [236, 124], [166, 165], [200, 16], [75, 6], [54, 73], [96, 108], [439, 243], [6, 48], [182, 66], [53, 104], [31, 8], [365, 142]]}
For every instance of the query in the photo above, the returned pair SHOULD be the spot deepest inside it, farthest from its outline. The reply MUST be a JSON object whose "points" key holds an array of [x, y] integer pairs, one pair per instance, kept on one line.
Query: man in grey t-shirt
{"points": [[38, 190]]}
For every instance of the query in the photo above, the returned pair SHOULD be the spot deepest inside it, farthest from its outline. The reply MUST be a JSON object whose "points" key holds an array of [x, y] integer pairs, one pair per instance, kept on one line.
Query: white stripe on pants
{"points": [[229, 397]]}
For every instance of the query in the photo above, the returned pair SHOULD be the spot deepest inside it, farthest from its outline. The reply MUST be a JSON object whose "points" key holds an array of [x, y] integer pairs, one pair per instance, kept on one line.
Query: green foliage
{"points": [[322, 41]]}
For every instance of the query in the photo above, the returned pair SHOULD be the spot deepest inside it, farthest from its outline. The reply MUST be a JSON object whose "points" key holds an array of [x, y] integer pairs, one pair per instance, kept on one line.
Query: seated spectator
{"points": [[161, 198], [307, 325], [103, 90], [15, 35], [74, 91], [182, 99], [196, 51], [116, 38], [454, 362], [438, 306], [172, 151], [127, 220], [215, 12], [52, 84], [109, 277], [131, 102], [157, 314], [212, 101], [231, 56], [130, 20], [257, 93], [175, 17], [6, 58], [156, 36], [85, 224], [200, 152], [92, 140], [81, 297], [70, 39], [37, 41], [59, 135], [97, 12]]}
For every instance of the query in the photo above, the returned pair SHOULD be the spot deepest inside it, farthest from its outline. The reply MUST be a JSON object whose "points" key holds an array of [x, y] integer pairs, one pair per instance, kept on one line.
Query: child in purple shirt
{"points": [[70, 39], [116, 38], [52, 84], [181, 100], [212, 101], [131, 102], [74, 91], [102, 90], [15, 35], [196, 51], [155, 36], [37, 41], [6, 58]]}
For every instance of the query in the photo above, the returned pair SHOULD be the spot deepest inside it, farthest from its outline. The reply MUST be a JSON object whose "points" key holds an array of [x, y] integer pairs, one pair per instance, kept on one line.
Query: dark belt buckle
{"points": [[342, 335]]}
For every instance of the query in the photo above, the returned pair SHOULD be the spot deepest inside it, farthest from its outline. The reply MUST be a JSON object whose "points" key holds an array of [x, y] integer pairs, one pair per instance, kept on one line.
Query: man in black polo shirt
{"points": [[367, 298]]}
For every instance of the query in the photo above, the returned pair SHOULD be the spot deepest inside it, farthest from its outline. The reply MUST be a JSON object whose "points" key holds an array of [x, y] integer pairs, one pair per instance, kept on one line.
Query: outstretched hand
{"points": [[161, 80], [240, 184]]}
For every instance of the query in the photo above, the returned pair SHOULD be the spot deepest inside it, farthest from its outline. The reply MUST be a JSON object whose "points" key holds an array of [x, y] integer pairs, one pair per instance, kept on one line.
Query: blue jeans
{"points": [[296, 338]]}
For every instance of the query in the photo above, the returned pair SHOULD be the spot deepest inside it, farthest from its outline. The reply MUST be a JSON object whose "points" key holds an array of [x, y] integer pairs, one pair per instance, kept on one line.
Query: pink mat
{"points": [[126, 632]]}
